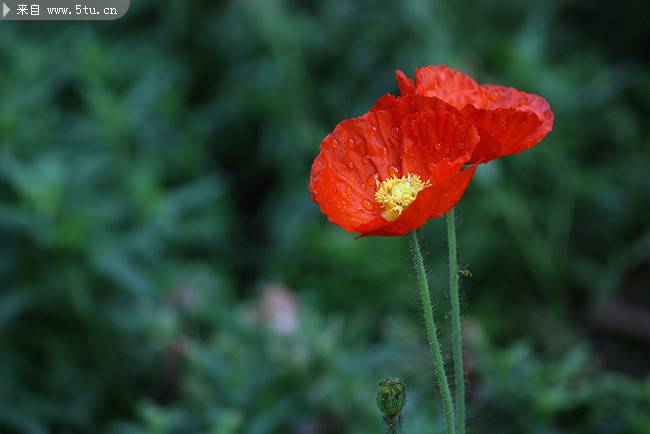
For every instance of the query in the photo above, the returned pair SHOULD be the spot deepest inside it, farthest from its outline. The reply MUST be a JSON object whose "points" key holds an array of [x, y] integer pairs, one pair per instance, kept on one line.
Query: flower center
{"points": [[396, 194]]}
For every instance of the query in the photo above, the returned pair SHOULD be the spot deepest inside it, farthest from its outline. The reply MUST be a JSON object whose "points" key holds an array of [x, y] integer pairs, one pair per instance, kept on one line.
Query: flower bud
{"points": [[391, 396]]}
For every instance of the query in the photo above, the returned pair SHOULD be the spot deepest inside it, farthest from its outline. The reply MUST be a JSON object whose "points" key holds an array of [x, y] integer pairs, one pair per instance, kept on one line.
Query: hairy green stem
{"points": [[431, 332], [457, 336]]}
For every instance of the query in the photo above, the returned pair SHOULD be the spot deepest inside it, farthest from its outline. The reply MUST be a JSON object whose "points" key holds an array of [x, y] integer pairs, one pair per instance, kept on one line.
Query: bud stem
{"points": [[393, 426], [457, 336], [431, 332]]}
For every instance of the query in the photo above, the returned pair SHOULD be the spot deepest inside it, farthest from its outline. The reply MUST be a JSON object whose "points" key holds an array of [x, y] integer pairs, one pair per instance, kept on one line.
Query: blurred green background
{"points": [[163, 269]]}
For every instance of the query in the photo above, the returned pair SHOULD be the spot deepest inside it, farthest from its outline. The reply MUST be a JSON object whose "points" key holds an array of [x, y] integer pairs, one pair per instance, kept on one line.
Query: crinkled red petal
{"points": [[451, 86], [503, 132], [508, 120], [515, 132], [357, 153], [436, 143], [404, 106]]}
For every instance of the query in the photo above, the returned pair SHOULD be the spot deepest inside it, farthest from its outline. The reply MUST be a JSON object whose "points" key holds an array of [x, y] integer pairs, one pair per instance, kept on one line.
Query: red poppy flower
{"points": [[394, 168], [508, 121], [391, 170]]}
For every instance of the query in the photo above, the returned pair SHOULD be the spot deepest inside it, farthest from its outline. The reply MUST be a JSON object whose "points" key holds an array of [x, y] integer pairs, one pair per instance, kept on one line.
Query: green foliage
{"points": [[153, 187], [565, 393]]}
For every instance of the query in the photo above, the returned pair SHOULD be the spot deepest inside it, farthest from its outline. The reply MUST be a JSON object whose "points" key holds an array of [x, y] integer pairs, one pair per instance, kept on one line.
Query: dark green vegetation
{"points": [[153, 204]]}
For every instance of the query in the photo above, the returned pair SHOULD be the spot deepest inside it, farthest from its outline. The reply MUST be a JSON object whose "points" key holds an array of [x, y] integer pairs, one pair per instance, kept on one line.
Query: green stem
{"points": [[431, 332], [457, 336], [393, 426]]}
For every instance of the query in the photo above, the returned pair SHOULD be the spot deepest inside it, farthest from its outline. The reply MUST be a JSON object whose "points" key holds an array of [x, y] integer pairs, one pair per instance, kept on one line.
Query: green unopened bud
{"points": [[391, 396]]}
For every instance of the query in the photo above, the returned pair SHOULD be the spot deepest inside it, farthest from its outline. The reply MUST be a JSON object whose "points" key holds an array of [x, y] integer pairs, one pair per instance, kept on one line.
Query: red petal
{"points": [[509, 121], [406, 85], [386, 102], [429, 131], [451, 86], [509, 97], [404, 106], [529, 132], [358, 152], [436, 143], [503, 132]]}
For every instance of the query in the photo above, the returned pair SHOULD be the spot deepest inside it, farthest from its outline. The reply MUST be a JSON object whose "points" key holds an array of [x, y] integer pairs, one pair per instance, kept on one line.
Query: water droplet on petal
{"points": [[385, 150], [367, 205], [461, 145], [438, 146], [431, 167], [393, 171], [494, 96], [350, 143], [335, 143], [351, 165], [394, 131], [523, 101], [374, 128], [366, 159], [372, 180]]}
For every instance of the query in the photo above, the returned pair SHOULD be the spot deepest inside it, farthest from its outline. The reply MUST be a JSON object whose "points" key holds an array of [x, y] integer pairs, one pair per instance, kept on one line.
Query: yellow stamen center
{"points": [[396, 194]]}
